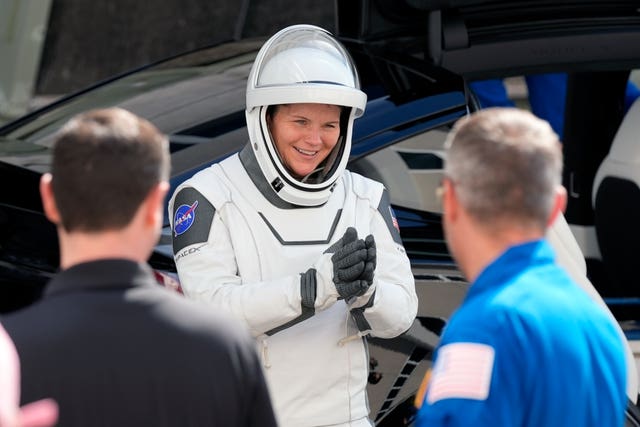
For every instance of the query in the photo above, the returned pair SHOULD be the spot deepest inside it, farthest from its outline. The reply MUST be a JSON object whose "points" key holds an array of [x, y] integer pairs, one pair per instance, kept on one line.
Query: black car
{"points": [[417, 62]]}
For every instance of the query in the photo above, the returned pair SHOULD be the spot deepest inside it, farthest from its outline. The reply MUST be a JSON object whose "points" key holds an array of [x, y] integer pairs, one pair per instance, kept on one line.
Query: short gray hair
{"points": [[505, 164]]}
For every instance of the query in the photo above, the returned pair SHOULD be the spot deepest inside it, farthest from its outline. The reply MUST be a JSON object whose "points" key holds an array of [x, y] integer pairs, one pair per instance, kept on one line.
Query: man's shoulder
{"points": [[14, 320], [196, 328], [195, 317]]}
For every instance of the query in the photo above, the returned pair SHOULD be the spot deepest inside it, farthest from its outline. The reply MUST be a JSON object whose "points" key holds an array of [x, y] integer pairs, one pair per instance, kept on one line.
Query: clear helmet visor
{"points": [[305, 55], [304, 63]]}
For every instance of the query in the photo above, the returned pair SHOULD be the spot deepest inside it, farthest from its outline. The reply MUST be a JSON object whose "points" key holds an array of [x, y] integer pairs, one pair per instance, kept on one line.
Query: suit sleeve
{"points": [[208, 271], [390, 306]]}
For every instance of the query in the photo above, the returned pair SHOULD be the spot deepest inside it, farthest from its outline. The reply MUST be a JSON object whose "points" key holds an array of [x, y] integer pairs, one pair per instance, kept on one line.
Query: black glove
{"points": [[370, 262], [353, 265], [361, 284], [349, 259], [346, 268]]}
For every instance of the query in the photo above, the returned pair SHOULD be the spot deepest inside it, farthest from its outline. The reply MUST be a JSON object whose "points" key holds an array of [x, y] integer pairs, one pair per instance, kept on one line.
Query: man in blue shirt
{"points": [[527, 347]]}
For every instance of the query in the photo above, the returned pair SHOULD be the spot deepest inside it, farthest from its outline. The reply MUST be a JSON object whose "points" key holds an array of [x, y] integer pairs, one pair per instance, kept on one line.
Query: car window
{"points": [[411, 171]]}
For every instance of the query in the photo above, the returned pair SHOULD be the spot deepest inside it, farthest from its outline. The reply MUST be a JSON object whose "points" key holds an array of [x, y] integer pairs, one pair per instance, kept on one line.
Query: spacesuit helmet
{"points": [[302, 64]]}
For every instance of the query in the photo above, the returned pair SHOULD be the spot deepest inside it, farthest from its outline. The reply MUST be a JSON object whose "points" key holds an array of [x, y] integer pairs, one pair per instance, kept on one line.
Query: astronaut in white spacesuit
{"points": [[307, 254]]}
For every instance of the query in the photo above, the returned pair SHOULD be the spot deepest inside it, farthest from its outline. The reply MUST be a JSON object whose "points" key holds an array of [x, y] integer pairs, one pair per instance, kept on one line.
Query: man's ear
{"points": [[559, 204], [154, 204], [450, 204], [48, 201]]}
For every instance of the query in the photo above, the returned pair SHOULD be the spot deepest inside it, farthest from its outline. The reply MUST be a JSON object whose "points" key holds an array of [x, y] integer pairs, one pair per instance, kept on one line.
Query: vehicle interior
{"points": [[594, 44]]}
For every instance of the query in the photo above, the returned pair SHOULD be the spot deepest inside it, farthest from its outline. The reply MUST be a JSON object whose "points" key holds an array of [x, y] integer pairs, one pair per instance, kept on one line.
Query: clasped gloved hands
{"points": [[344, 271], [354, 263]]}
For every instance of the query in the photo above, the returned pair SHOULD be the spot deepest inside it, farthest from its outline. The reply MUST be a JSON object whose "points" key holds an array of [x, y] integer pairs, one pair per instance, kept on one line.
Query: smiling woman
{"points": [[304, 252], [304, 136]]}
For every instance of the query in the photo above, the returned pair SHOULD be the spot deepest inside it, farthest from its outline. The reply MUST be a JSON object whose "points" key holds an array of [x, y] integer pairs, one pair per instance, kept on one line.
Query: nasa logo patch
{"points": [[184, 217]]}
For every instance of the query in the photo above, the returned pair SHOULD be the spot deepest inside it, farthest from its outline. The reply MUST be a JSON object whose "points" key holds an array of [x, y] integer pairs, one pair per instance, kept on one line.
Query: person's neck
{"points": [[489, 246], [81, 247]]}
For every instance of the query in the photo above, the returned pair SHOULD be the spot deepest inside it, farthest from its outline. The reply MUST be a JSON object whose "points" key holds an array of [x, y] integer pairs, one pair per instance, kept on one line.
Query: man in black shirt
{"points": [[111, 346]]}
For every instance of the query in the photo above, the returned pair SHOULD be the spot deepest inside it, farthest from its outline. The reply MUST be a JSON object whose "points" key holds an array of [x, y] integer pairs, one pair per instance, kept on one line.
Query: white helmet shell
{"points": [[301, 64]]}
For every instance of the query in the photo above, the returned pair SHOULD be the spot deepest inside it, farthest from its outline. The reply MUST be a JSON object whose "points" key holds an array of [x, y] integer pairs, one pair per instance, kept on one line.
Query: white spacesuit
{"points": [[250, 238]]}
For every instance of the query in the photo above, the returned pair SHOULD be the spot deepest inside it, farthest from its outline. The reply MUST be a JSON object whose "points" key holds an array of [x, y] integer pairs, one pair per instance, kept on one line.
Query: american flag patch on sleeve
{"points": [[462, 371], [394, 220]]}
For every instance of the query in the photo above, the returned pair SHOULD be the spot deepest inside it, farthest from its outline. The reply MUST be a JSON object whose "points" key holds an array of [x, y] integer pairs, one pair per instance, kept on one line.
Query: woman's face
{"points": [[304, 135]]}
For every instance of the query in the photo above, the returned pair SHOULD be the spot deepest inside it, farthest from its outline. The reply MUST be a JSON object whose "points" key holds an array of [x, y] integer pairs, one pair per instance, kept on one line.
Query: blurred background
{"points": [[49, 48]]}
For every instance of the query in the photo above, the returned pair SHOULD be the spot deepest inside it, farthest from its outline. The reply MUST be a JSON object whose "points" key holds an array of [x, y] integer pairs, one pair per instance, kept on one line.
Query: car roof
{"points": [[198, 99], [198, 96]]}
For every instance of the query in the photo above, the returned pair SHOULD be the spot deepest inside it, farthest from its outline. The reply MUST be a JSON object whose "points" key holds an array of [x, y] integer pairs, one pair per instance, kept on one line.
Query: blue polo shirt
{"points": [[527, 347]]}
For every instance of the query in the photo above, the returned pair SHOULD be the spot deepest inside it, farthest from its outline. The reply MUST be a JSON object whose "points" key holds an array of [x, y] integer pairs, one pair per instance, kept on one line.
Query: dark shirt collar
{"points": [[101, 274]]}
